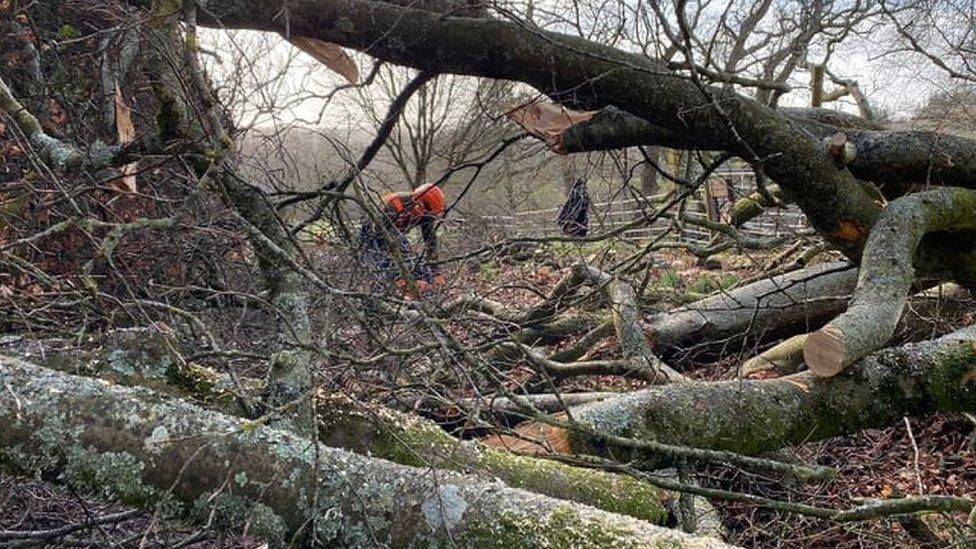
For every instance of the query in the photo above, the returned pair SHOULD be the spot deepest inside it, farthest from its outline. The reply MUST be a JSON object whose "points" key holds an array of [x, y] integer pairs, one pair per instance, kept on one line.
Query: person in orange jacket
{"points": [[403, 211]]}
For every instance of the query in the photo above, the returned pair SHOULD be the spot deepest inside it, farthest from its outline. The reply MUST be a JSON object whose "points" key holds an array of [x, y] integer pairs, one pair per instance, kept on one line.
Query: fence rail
{"points": [[606, 217]]}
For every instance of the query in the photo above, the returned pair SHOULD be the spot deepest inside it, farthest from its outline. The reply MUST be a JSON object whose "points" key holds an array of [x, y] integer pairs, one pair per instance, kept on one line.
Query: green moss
{"points": [[199, 381], [564, 527], [233, 513], [166, 9], [110, 475], [409, 441], [67, 32], [707, 283], [669, 279], [412, 444], [953, 380], [169, 116], [614, 493], [346, 25], [489, 270]]}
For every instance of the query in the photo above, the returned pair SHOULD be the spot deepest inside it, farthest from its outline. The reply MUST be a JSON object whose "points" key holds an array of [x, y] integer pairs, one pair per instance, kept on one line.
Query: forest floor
{"points": [[924, 456]]}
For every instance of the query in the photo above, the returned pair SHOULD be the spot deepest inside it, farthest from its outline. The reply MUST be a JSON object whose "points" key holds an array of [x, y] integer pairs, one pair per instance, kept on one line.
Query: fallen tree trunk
{"points": [[931, 313], [760, 312], [754, 417], [143, 358], [547, 402], [834, 201], [896, 160], [137, 447], [786, 357]]}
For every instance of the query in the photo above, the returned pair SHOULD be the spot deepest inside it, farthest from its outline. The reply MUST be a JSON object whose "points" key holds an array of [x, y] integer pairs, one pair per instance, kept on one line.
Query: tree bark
{"points": [[167, 454], [898, 161], [596, 75], [759, 312], [626, 321], [144, 358], [755, 417], [887, 275]]}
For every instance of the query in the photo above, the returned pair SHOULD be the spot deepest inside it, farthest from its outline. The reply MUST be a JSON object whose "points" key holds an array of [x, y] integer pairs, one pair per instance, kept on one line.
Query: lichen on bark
{"points": [[311, 489]]}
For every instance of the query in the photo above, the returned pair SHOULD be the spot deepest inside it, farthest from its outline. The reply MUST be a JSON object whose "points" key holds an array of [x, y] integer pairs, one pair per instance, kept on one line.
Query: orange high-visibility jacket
{"points": [[403, 212]]}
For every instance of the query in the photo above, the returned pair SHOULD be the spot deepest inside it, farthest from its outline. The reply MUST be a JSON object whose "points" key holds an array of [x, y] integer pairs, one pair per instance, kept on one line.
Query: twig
{"points": [[6, 535], [911, 437]]}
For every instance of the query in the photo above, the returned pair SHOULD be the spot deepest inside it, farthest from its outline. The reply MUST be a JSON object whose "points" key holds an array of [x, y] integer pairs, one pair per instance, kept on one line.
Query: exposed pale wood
{"points": [[783, 358], [888, 272], [824, 351]]}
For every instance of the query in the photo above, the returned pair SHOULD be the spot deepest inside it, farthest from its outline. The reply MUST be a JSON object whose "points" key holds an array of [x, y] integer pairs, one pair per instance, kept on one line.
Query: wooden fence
{"points": [[607, 217]]}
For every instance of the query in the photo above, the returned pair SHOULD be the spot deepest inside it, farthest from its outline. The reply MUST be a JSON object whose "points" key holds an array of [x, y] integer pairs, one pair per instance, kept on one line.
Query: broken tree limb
{"points": [[557, 297], [582, 345], [896, 160], [545, 402], [144, 358], [56, 153], [59, 155], [763, 311], [613, 128], [627, 323], [753, 205], [877, 509], [563, 67], [930, 313], [758, 416], [137, 447], [478, 304], [887, 275], [629, 367]]}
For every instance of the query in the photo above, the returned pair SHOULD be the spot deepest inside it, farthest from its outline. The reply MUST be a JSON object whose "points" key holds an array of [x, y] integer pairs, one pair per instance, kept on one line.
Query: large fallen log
{"points": [[732, 322], [754, 417], [931, 313], [144, 358], [135, 446]]}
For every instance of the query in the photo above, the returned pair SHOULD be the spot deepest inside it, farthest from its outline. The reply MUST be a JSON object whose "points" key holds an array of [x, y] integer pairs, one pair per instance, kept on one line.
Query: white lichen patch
{"points": [[154, 442], [119, 362], [445, 508]]}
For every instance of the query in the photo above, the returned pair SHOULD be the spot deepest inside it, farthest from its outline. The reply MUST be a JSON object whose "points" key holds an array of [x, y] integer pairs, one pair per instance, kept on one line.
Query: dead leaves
{"points": [[8, 149], [329, 54], [127, 133], [57, 117], [849, 231], [548, 121]]}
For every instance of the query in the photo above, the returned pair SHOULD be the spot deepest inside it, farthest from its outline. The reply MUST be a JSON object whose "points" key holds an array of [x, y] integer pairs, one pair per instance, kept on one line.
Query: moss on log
{"points": [[412, 440], [142, 357], [135, 446], [754, 417]]}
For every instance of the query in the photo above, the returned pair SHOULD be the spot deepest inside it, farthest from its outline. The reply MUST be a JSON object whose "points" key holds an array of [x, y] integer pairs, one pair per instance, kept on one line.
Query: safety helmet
{"points": [[431, 197]]}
